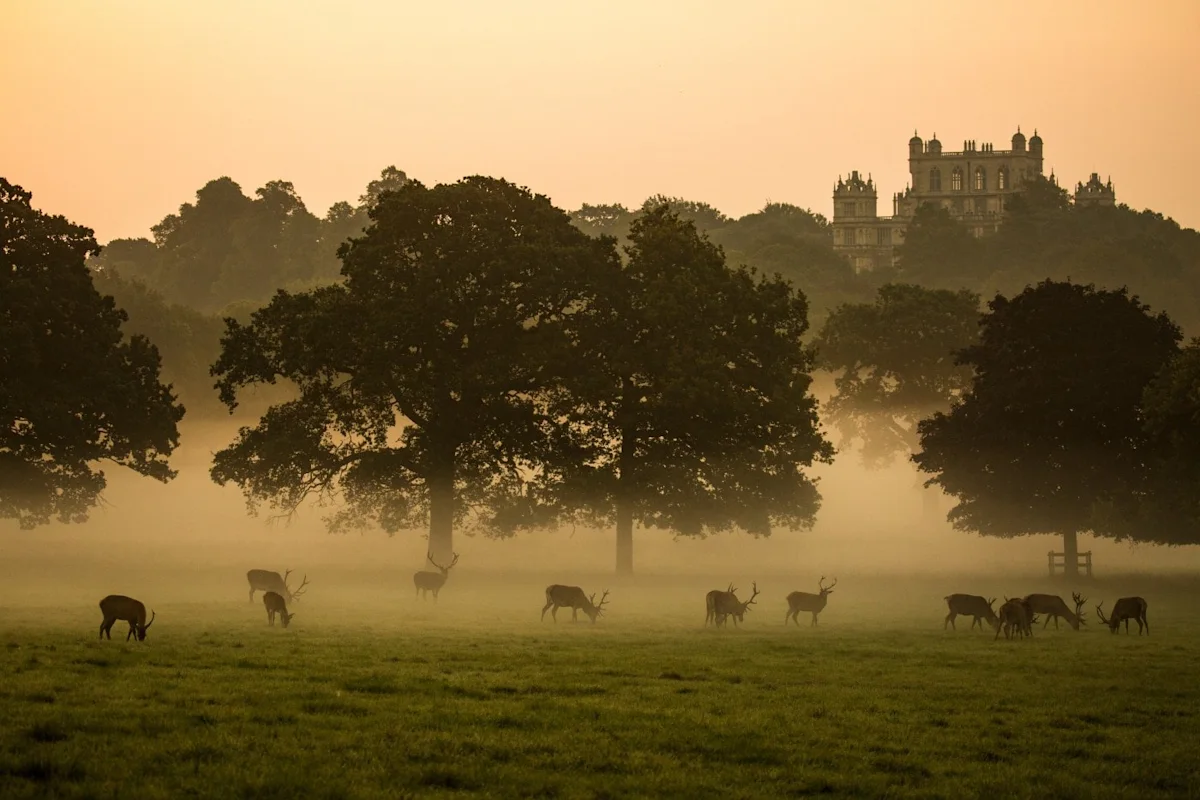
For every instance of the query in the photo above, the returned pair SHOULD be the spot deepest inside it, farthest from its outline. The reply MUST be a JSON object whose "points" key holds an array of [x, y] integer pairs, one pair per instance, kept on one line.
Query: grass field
{"points": [[372, 694]]}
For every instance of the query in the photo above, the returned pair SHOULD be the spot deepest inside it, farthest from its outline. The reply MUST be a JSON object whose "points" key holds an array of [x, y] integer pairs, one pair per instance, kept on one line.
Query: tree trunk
{"points": [[1070, 555], [625, 504], [624, 538], [441, 515]]}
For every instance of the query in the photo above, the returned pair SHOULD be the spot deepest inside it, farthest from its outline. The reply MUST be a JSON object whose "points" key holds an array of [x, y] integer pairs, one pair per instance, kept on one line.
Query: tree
{"points": [[418, 376], [1051, 427], [704, 216], [895, 364], [1166, 510], [73, 392], [938, 252], [604, 220], [689, 410]]}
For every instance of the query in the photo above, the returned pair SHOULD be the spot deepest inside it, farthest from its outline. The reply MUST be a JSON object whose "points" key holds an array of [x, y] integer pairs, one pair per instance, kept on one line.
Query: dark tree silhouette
{"points": [[419, 375], [73, 392], [895, 364], [1051, 428], [690, 408]]}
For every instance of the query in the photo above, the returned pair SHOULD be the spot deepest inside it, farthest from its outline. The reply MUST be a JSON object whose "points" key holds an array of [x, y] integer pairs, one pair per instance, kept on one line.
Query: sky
{"points": [[116, 112]]}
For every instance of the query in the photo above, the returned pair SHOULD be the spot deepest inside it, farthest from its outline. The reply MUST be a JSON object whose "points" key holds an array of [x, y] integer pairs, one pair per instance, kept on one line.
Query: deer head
{"points": [[141, 631], [1079, 601], [444, 570], [286, 617], [596, 608], [825, 589]]}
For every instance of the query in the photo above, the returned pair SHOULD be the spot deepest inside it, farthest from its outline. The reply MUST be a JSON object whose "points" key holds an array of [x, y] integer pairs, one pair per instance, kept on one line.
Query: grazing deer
{"points": [[804, 601], [726, 605], [433, 581], [119, 607], [262, 580], [275, 604], [1127, 608], [572, 597], [1053, 607], [711, 600], [1015, 619], [970, 605]]}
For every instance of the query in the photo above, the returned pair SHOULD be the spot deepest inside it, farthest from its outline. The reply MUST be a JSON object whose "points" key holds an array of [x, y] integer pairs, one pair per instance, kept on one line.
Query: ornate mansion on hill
{"points": [[973, 184]]}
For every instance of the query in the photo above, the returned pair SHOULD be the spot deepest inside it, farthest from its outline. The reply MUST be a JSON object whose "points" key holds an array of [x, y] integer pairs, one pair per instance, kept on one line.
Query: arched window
{"points": [[1002, 178], [956, 180], [980, 179], [935, 180]]}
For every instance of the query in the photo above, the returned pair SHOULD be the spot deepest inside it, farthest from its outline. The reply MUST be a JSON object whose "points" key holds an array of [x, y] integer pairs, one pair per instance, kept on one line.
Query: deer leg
{"points": [[554, 614], [435, 591], [814, 620], [1147, 621], [251, 594], [575, 614]]}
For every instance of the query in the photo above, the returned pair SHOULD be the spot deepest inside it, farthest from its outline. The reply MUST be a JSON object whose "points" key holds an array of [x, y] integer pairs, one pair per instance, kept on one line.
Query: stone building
{"points": [[973, 184], [1095, 193]]}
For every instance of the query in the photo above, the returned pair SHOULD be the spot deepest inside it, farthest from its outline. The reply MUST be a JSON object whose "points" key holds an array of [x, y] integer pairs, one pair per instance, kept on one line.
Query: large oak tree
{"points": [[74, 392], [689, 408], [1051, 428], [418, 375]]}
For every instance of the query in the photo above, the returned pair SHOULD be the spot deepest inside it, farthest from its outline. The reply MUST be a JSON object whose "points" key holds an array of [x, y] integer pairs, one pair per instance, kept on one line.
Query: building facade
{"points": [[973, 184]]}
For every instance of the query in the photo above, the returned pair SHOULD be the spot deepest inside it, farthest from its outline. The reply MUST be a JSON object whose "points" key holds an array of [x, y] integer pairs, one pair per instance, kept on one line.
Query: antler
{"points": [[603, 600], [990, 602], [300, 588], [753, 593], [824, 589], [1079, 601], [1100, 613], [439, 566]]}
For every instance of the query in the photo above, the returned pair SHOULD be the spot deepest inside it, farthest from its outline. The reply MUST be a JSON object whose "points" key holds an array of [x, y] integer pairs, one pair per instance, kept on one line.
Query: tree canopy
{"points": [[1051, 426], [73, 391], [689, 406], [418, 374], [895, 361]]}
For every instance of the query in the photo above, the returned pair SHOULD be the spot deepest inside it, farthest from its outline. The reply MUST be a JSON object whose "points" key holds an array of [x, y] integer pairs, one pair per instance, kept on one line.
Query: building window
{"points": [[848, 209], [935, 180], [1002, 179], [956, 180], [879, 236], [980, 179]]}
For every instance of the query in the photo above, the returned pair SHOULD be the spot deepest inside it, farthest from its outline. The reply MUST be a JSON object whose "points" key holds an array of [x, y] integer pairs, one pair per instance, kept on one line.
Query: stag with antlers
{"points": [[1127, 608], [726, 605], [806, 601], [1054, 607], [119, 607], [426, 581], [262, 580], [715, 597], [572, 597], [970, 605]]}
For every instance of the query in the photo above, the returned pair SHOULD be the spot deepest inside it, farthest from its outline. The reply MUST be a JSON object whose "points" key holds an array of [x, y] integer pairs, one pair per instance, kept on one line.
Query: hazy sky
{"points": [[115, 112]]}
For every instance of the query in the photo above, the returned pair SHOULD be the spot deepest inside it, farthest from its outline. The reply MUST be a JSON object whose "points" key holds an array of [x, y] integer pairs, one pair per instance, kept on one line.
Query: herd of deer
{"points": [[1018, 614], [1015, 618]]}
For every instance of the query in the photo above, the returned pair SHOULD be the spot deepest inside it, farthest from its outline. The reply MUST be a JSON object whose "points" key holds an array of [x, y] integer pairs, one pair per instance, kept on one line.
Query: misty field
{"points": [[371, 693]]}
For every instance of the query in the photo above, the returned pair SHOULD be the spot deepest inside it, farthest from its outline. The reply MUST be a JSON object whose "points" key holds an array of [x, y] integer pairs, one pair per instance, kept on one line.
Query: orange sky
{"points": [[115, 112]]}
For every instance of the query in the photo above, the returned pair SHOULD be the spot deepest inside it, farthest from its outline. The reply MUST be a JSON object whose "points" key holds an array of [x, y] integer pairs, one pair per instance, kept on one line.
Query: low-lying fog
{"points": [[190, 537]]}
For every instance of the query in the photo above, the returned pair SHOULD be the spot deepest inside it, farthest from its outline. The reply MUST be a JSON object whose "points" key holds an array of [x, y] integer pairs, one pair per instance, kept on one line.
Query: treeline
{"points": [[481, 360]]}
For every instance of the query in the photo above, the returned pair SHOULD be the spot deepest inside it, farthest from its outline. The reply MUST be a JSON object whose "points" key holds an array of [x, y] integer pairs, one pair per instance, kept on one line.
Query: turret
{"points": [[915, 146], [1018, 141], [934, 147], [1035, 145]]}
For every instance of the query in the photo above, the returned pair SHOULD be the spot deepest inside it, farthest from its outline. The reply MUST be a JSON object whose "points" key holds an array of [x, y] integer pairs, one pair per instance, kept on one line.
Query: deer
{"points": [[275, 604], [804, 601], [262, 580], [726, 605], [712, 598], [1127, 608], [1054, 607], [970, 605], [119, 607], [1015, 619], [572, 597], [433, 581]]}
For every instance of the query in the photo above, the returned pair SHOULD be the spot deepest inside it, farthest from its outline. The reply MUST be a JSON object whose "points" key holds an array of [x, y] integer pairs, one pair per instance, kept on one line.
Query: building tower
{"points": [[1095, 193], [857, 233]]}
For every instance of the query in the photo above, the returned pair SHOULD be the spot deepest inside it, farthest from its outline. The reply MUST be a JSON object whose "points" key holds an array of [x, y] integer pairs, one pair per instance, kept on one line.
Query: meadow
{"points": [[371, 693]]}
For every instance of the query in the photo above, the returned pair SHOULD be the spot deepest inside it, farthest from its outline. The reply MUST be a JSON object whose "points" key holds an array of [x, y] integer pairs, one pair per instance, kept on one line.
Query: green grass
{"points": [[378, 696]]}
